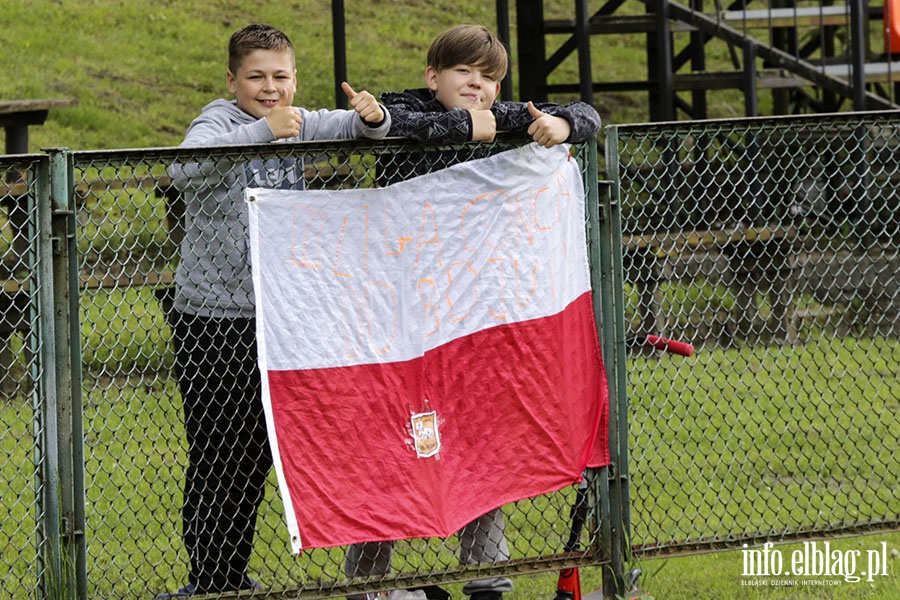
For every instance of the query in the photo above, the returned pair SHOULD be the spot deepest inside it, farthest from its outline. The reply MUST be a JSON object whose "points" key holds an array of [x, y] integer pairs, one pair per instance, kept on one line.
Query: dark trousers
{"points": [[228, 450]]}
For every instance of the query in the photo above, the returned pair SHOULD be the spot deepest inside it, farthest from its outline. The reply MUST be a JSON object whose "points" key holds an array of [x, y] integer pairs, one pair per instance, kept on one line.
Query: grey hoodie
{"points": [[213, 278]]}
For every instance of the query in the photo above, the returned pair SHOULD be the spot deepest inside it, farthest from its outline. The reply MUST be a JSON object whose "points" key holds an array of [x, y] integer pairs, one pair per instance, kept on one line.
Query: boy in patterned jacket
{"points": [[466, 64]]}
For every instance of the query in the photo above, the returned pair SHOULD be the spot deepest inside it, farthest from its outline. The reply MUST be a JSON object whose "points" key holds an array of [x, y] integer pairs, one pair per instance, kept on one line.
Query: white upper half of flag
{"points": [[362, 276]]}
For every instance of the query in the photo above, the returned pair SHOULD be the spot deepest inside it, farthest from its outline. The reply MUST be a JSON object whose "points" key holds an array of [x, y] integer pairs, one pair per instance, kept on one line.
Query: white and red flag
{"points": [[428, 349]]}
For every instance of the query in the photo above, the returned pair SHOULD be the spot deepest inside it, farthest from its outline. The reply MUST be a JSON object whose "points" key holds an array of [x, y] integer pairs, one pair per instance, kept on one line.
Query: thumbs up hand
{"points": [[284, 120], [364, 104], [547, 130]]}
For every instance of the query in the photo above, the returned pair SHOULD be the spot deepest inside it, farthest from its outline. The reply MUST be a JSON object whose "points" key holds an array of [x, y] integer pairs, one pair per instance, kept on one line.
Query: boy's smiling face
{"points": [[265, 79], [462, 86]]}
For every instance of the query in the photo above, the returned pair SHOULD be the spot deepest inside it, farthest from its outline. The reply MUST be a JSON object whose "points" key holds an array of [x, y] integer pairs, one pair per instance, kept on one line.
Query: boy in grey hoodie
{"points": [[214, 331]]}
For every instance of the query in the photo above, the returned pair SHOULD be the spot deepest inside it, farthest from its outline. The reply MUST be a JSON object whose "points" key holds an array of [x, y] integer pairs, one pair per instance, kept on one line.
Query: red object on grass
{"points": [[661, 343]]}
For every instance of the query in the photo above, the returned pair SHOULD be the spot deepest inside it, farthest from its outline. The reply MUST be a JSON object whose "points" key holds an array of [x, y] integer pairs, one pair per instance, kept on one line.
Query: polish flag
{"points": [[428, 349]]}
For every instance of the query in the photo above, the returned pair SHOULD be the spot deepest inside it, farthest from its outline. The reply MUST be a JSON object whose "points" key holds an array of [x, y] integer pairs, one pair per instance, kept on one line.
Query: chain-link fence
{"points": [[34, 360], [772, 246], [20, 413], [37, 383], [127, 222]]}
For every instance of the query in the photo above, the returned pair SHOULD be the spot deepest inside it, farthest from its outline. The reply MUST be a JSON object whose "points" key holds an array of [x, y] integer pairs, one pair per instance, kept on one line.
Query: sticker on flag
{"points": [[425, 431], [428, 349]]}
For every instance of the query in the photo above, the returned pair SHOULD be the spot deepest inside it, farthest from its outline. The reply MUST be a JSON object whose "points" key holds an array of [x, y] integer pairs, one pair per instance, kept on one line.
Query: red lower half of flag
{"points": [[519, 410]]}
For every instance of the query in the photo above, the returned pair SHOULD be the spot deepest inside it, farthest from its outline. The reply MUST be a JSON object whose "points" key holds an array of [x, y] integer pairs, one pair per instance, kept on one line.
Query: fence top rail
{"points": [[361, 145], [22, 162], [758, 123]]}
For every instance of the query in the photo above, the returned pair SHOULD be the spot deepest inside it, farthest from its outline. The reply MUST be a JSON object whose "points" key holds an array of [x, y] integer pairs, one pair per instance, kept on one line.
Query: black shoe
{"points": [[183, 592], [190, 589], [487, 595], [433, 592]]}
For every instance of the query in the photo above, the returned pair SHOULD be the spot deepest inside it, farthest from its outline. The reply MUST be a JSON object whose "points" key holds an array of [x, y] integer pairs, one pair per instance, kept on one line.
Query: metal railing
{"points": [[772, 246], [769, 244], [112, 528]]}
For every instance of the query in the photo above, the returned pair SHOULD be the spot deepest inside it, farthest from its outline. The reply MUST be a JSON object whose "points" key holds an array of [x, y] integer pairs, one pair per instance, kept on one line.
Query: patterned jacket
{"points": [[417, 115]]}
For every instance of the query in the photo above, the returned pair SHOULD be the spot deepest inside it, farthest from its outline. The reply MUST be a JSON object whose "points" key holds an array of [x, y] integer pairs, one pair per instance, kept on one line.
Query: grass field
{"points": [[776, 439]]}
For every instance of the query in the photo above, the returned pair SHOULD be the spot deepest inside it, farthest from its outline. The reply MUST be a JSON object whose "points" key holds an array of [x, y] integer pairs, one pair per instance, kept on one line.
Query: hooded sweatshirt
{"points": [[213, 278]]}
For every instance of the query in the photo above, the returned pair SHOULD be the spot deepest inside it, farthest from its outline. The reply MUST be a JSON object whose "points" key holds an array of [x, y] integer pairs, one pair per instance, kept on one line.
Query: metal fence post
{"points": [[606, 243], [597, 478], [45, 397], [66, 345]]}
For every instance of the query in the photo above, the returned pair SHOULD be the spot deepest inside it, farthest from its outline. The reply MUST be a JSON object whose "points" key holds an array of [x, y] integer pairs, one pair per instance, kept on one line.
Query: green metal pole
{"points": [[68, 377], [79, 531], [45, 395], [597, 479], [612, 342]]}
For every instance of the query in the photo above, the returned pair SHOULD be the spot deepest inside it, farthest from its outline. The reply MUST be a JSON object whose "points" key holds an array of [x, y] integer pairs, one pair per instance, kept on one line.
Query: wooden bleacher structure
{"points": [[771, 33]]}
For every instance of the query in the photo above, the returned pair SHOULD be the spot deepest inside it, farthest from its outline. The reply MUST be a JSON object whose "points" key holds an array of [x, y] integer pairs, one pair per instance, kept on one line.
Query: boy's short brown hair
{"points": [[472, 45], [257, 36]]}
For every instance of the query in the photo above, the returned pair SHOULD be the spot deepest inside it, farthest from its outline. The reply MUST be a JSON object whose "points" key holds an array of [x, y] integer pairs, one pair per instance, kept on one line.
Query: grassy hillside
{"points": [[142, 71]]}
